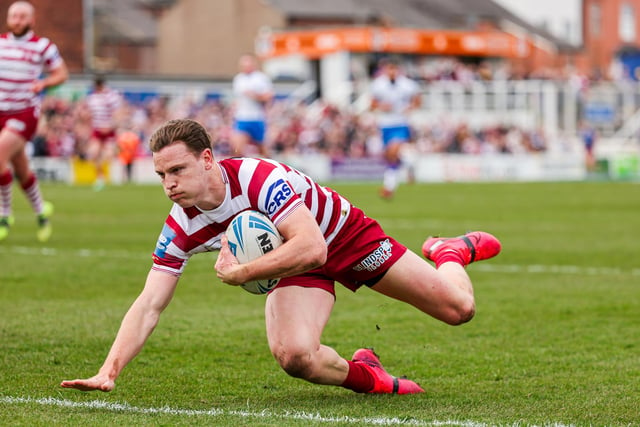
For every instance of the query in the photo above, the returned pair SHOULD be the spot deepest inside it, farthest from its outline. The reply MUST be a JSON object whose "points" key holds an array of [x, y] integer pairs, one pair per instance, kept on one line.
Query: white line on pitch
{"points": [[486, 267], [216, 412]]}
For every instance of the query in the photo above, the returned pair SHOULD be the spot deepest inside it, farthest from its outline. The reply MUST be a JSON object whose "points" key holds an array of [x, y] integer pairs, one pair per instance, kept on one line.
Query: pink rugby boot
{"points": [[473, 246], [385, 383]]}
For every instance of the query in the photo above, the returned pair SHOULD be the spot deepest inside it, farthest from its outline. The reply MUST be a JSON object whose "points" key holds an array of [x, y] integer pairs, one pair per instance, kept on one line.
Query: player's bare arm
{"points": [[56, 76], [377, 105], [304, 248], [136, 327]]}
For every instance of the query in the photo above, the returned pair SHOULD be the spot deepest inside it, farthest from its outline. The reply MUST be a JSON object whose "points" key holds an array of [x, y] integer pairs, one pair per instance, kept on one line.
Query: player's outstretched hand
{"points": [[226, 263], [98, 382]]}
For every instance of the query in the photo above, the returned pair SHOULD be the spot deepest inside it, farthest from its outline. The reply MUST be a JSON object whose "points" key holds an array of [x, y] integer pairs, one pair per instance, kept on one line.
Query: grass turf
{"points": [[554, 341]]}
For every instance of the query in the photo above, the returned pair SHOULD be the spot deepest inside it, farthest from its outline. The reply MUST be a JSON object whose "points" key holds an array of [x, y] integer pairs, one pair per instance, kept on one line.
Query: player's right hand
{"points": [[227, 264], [98, 382]]}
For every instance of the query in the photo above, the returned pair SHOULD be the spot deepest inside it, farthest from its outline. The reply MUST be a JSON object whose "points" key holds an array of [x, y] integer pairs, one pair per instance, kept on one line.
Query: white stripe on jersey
{"points": [[22, 61], [259, 184], [102, 106]]}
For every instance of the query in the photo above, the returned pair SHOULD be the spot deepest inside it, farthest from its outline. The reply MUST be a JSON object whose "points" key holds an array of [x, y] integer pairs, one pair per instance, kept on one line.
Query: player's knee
{"points": [[461, 312], [296, 362], [458, 312]]}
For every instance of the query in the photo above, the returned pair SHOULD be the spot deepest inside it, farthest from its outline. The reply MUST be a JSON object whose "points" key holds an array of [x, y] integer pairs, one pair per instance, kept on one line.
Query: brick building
{"points": [[610, 28], [62, 22], [203, 38]]}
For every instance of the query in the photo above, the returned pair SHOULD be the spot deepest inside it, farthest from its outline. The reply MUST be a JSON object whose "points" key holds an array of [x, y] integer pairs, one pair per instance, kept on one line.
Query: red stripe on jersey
{"points": [[321, 203], [187, 242], [258, 178], [231, 168], [30, 56], [192, 212], [337, 207], [169, 261], [17, 81]]}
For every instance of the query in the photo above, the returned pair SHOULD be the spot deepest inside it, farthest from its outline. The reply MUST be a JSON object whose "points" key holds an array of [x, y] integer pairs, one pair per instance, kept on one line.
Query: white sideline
{"points": [[485, 267], [215, 412]]}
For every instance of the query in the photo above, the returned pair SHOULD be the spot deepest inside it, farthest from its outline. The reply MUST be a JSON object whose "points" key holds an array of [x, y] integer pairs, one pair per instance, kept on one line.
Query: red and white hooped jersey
{"points": [[103, 106], [22, 61], [272, 188]]}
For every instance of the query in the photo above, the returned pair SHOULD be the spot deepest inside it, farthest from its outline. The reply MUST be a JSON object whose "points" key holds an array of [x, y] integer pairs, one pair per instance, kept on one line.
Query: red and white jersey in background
{"points": [[263, 185], [22, 61], [103, 106]]}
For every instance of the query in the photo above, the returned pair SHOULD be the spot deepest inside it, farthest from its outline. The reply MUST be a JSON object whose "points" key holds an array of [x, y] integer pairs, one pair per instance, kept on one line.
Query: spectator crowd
{"points": [[292, 128]]}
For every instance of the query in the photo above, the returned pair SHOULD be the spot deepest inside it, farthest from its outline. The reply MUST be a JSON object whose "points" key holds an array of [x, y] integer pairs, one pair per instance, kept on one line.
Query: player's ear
{"points": [[207, 156]]}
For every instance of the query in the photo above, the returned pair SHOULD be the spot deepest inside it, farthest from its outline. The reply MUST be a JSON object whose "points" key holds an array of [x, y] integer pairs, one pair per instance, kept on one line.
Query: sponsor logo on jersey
{"points": [[278, 193], [375, 259], [164, 241]]}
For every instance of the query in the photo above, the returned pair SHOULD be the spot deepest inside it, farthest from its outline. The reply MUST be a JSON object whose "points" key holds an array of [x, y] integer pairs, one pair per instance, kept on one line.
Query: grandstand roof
{"points": [[426, 14]]}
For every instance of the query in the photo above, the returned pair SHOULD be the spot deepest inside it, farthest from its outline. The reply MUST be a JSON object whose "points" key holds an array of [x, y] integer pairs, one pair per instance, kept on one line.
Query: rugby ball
{"points": [[251, 234]]}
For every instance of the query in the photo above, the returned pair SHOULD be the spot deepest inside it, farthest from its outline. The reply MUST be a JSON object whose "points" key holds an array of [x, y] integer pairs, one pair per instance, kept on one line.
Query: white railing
{"points": [[555, 106]]}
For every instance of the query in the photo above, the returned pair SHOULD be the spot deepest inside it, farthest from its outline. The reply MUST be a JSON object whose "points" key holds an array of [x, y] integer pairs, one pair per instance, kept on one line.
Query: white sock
{"points": [[390, 179]]}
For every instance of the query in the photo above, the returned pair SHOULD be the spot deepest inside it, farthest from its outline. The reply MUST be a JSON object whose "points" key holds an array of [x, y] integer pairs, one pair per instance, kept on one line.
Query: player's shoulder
{"points": [[247, 163], [409, 81], [40, 40]]}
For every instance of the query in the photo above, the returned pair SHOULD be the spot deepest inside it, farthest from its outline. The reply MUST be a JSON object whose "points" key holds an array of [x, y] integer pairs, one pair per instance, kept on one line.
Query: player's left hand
{"points": [[97, 382], [38, 86], [227, 264]]}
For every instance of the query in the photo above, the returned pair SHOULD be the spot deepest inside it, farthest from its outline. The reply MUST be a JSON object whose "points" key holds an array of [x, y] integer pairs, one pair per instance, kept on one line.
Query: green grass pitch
{"points": [[555, 341]]}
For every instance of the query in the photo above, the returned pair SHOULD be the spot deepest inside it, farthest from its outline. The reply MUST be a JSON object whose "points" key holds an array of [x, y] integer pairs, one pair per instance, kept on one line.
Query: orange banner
{"points": [[316, 43]]}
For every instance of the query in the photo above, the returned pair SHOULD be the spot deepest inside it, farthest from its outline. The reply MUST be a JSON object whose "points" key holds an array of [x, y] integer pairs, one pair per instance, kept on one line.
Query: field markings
{"points": [[216, 412], [484, 267]]}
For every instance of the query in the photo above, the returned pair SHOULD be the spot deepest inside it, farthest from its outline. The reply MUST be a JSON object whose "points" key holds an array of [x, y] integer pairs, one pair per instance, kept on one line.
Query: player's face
{"points": [[391, 71], [19, 19], [247, 64], [182, 173]]}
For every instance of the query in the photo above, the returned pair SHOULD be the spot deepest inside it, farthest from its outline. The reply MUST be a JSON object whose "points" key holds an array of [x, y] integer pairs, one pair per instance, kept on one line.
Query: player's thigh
{"points": [[414, 281], [393, 150], [295, 317], [108, 150], [93, 149], [10, 144], [20, 163]]}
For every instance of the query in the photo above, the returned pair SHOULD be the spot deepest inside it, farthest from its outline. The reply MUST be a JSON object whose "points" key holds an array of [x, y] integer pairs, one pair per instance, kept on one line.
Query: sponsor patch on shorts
{"points": [[377, 258], [17, 125]]}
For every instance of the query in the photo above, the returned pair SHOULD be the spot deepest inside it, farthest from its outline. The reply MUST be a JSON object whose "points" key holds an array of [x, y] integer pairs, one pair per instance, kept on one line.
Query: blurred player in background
{"points": [[128, 142], [394, 96], [326, 239], [253, 91], [24, 57], [103, 102], [589, 135]]}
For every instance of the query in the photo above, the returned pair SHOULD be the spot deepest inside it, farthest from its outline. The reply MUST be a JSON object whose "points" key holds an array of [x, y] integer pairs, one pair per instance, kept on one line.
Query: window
{"points": [[595, 19], [627, 27]]}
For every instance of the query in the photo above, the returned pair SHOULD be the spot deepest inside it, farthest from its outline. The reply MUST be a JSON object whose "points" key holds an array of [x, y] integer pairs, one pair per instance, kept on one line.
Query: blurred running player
{"points": [[253, 91], [326, 240], [24, 57], [103, 102], [394, 96]]}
